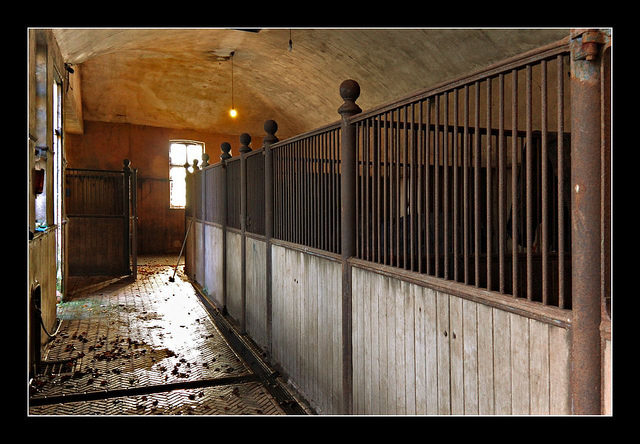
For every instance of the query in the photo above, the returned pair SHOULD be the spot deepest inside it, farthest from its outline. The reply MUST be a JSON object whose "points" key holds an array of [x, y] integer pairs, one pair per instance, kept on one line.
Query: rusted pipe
{"points": [[585, 228]]}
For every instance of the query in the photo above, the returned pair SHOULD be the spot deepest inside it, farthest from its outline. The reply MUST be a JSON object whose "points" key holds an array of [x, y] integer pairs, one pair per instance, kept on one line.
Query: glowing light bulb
{"points": [[233, 112]]}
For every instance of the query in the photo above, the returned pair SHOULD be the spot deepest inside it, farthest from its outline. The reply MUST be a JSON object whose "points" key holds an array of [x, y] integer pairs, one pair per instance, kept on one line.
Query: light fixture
{"points": [[290, 42], [232, 112]]}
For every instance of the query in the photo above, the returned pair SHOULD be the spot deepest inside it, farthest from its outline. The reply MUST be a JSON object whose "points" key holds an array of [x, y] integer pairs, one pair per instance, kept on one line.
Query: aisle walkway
{"points": [[150, 347]]}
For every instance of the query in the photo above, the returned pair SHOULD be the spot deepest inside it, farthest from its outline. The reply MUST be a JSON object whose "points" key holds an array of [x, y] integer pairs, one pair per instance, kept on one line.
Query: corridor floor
{"points": [[151, 347]]}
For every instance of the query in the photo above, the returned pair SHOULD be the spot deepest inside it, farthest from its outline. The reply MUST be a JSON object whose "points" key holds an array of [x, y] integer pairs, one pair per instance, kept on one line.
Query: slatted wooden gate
{"points": [[101, 214]]}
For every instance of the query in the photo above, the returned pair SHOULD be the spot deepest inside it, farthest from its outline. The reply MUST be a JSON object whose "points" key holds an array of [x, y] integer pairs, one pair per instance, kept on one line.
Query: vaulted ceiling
{"points": [[181, 78]]}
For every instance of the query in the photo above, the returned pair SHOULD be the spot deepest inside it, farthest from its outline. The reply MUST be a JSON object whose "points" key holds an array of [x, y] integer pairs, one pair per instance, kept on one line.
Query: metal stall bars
{"points": [[434, 171], [306, 171]]}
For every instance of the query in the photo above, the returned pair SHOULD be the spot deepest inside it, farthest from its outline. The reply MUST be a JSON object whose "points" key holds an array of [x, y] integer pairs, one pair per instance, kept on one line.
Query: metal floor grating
{"points": [[144, 347]]}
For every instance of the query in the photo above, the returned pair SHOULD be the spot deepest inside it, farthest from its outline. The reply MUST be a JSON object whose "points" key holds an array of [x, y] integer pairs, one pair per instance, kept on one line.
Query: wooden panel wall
{"points": [[256, 301], [234, 275], [419, 351], [42, 268], [198, 241], [213, 264], [307, 325]]}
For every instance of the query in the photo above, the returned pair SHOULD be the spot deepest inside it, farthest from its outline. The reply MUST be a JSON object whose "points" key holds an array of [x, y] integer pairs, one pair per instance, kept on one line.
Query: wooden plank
{"points": [[470, 346], [336, 331], [456, 341], [409, 347], [502, 362], [420, 350], [366, 346], [520, 389], [559, 371], [375, 344], [539, 367], [391, 285], [379, 288], [486, 404], [443, 333], [356, 343], [431, 349], [398, 291]]}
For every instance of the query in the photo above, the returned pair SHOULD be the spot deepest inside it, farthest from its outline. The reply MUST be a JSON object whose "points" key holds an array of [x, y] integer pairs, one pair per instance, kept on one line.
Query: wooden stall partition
{"points": [[420, 351], [307, 324]]}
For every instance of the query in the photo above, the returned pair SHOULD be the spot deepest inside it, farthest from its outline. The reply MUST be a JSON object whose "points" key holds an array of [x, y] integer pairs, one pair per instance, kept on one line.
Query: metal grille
{"points": [[307, 189], [233, 193], [469, 182], [255, 192]]}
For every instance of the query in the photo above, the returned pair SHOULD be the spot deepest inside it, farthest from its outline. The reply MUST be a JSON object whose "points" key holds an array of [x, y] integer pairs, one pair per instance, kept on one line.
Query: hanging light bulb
{"points": [[290, 42], [232, 112]]}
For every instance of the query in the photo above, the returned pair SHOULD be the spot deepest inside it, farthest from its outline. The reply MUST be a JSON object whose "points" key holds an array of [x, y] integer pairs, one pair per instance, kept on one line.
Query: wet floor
{"points": [[149, 347]]}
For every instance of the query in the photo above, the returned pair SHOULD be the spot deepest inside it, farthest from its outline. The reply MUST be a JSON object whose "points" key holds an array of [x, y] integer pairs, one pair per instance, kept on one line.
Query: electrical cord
{"points": [[58, 321]]}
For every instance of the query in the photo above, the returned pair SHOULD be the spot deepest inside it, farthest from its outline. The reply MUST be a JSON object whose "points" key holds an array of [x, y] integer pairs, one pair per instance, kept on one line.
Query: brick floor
{"points": [[142, 348]]}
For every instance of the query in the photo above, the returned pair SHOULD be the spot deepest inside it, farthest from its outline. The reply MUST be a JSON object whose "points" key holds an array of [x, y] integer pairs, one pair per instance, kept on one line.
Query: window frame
{"points": [[172, 165]]}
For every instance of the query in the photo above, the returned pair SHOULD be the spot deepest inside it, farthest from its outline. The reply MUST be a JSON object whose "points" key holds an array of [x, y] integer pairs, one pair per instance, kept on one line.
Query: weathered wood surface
{"points": [[234, 275], [198, 239], [42, 268], [307, 322], [256, 295], [419, 351], [213, 264]]}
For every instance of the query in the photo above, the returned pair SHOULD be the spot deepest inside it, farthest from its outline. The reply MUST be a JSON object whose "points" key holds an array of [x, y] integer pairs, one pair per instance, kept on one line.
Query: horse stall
{"points": [[425, 256]]}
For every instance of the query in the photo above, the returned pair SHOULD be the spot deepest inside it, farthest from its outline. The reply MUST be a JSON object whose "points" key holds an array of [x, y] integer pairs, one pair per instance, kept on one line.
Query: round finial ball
{"points": [[270, 126], [226, 147], [245, 139], [349, 90]]}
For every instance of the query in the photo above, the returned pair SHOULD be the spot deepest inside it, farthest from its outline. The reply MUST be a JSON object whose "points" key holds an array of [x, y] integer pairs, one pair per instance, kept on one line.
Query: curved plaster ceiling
{"points": [[181, 78]]}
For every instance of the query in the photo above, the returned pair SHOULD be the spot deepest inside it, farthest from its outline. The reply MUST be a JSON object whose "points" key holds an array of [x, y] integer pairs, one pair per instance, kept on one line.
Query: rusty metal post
{"points": [[585, 221], [349, 91], [225, 147], [270, 127], [245, 140]]}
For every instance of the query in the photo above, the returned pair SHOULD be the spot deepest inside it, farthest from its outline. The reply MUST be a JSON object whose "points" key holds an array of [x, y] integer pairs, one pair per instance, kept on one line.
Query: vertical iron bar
{"points": [[445, 183], [387, 211], [489, 151], [419, 134], [427, 179], [476, 185], [560, 106], [528, 186], [367, 190], [543, 160], [358, 192], [405, 229], [514, 185], [501, 193], [412, 198], [436, 198], [397, 186], [376, 160], [465, 186], [455, 185]]}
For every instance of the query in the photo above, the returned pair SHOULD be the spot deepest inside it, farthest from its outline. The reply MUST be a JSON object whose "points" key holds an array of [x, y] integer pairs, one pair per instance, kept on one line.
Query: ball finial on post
{"points": [[226, 149], [205, 160], [245, 140], [270, 127], [349, 91]]}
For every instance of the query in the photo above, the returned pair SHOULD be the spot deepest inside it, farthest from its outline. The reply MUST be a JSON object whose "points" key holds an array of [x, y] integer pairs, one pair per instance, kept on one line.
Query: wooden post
{"points": [[134, 222], [245, 140], [270, 127], [349, 91], [225, 147]]}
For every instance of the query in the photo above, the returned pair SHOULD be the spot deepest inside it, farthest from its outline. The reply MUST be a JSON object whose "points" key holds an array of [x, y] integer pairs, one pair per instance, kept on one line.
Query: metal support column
{"points": [[349, 91], [270, 127], [585, 221]]}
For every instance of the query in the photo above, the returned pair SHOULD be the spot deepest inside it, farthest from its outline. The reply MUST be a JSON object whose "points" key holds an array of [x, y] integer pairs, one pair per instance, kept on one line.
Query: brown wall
{"points": [[104, 146]]}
